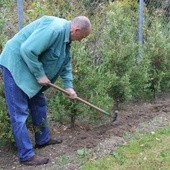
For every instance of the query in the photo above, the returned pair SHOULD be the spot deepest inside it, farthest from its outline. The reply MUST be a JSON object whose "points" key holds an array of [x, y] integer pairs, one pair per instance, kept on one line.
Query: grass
{"points": [[149, 151]]}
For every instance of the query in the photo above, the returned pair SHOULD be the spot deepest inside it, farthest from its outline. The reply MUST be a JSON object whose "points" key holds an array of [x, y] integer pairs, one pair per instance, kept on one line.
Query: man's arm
{"points": [[67, 79], [39, 41]]}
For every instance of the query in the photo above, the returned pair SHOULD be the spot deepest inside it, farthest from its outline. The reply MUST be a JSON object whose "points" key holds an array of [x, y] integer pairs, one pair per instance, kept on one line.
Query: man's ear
{"points": [[77, 28]]}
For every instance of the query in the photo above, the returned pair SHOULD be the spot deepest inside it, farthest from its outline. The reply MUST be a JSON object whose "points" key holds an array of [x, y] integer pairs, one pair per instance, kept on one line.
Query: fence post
{"points": [[20, 13], [140, 29]]}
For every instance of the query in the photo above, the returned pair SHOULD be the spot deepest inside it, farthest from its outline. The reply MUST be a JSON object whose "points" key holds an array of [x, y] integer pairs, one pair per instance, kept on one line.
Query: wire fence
{"points": [[159, 8], [149, 10]]}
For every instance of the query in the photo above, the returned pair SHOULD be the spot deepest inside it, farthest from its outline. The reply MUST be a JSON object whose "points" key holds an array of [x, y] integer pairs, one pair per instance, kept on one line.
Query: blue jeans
{"points": [[19, 107]]}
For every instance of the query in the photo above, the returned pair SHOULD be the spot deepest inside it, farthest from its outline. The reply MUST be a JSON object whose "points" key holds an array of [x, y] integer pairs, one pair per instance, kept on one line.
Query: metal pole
{"points": [[140, 29], [20, 13]]}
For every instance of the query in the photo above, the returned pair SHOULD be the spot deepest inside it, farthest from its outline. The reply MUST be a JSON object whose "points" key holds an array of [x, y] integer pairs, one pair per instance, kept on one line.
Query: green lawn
{"points": [[149, 151]]}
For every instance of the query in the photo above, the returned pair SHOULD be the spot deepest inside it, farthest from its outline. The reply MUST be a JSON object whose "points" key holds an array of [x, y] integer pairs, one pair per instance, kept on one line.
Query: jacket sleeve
{"points": [[66, 74], [39, 41]]}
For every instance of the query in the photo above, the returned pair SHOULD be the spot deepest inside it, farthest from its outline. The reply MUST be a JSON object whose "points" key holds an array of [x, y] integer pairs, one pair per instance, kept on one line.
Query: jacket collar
{"points": [[67, 32]]}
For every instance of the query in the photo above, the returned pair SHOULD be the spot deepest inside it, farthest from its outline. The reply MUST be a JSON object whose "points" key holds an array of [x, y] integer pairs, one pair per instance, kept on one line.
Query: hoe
{"points": [[85, 102]]}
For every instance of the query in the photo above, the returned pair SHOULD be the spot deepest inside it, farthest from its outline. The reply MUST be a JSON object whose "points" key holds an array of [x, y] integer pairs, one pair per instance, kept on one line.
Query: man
{"points": [[38, 54]]}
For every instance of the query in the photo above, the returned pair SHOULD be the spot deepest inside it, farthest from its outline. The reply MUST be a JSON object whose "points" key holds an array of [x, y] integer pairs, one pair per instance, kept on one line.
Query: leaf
{"points": [[82, 152]]}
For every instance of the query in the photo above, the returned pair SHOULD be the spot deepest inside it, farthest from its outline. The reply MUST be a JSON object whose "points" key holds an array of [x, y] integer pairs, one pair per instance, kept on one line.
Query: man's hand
{"points": [[71, 93], [43, 81]]}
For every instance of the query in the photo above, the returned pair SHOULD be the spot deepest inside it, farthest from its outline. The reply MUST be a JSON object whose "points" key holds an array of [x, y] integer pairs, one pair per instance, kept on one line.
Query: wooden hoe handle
{"points": [[80, 99]]}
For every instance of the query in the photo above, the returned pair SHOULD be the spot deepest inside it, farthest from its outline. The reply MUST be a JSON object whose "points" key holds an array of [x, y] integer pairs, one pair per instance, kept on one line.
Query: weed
{"points": [[64, 159]]}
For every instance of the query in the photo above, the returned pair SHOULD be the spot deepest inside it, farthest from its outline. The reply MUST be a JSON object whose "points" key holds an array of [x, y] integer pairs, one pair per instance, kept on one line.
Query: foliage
{"points": [[156, 49], [83, 152], [62, 108], [159, 8], [139, 80], [6, 136], [64, 159], [1, 33], [119, 51]]}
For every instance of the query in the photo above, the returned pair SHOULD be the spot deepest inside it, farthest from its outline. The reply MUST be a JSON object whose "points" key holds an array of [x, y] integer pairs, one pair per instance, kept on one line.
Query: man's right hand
{"points": [[43, 81]]}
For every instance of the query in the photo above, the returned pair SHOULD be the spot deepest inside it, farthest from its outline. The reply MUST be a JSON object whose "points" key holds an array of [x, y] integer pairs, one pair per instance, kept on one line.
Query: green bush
{"points": [[156, 49], [6, 136], [119, 51], [139, 80]]}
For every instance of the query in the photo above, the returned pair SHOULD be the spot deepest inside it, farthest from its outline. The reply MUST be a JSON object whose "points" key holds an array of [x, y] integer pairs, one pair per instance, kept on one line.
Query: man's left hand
{"points": [[71, 93]]}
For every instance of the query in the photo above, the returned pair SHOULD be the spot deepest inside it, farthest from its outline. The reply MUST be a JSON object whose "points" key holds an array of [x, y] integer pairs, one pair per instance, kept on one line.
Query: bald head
{"points": [[80, 28], [82, 21]]}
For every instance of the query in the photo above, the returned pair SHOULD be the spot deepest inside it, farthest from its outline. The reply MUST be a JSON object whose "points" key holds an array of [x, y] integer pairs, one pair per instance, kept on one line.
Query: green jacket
{"points": [[41, 48]]}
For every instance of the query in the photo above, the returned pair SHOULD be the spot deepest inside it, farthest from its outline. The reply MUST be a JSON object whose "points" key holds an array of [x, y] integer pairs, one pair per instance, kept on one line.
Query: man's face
{"points": [[78, 35]]}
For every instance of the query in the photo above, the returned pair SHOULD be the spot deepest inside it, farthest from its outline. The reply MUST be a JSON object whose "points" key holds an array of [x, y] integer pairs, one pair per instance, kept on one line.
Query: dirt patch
{"points": [[96, 140]]}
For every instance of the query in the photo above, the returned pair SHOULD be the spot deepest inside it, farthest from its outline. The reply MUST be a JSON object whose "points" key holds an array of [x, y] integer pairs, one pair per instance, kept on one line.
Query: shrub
{"points": [[156, 48], [119, 50], [6, 136]]}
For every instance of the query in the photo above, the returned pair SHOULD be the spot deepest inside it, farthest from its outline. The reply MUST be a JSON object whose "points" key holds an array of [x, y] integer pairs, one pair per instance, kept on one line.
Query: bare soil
{"points": [[95, 140]]}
